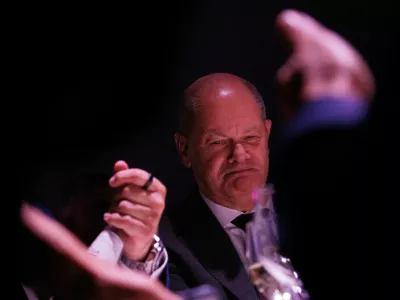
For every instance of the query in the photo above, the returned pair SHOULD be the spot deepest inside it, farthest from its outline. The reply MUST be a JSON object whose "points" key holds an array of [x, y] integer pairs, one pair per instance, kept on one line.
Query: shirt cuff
{"points": [[327, 112], [153, 268], [107, 246]]}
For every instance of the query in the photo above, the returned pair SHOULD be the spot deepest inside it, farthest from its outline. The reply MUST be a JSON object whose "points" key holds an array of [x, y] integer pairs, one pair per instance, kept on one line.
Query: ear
{"points": [[268, 124], [181, 144]]}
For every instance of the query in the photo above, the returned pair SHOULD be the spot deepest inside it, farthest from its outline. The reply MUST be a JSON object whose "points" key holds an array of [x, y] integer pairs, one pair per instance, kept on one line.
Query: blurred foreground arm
{"points": [[108, 281], [323, 164], [325, 81]]}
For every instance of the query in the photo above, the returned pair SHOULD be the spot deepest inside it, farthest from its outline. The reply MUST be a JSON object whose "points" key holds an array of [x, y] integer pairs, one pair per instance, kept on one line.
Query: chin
{"points": [[238, 185], [245, 190], [243, 200], [241, 193]]}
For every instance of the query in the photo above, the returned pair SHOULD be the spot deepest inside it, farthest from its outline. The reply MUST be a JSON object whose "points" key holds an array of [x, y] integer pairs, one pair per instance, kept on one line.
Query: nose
{"points": [[239, 154]]}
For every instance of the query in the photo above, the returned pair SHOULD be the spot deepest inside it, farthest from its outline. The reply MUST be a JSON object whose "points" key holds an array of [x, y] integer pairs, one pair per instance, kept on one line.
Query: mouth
{"points": [[238, 171]]}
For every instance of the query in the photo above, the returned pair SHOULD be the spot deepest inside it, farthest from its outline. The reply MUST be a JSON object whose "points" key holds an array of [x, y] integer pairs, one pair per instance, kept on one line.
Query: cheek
{"points": [[202, 164], [260, 156], [212, 165]]}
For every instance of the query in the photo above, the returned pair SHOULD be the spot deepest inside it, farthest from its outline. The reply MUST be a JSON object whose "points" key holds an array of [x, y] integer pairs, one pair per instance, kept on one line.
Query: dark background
{"points": [[102, 83]]}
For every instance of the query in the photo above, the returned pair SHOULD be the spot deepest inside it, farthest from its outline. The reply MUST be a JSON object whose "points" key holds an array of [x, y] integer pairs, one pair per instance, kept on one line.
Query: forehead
{"points": [[226, 108]]}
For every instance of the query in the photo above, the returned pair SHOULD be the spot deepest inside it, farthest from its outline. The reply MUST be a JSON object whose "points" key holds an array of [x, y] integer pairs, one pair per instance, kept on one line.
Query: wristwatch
{"points": [[152, 260]]}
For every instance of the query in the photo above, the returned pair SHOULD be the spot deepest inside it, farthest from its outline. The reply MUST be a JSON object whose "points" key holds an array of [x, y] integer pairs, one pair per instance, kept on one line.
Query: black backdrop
{"points": [[102, 83]]}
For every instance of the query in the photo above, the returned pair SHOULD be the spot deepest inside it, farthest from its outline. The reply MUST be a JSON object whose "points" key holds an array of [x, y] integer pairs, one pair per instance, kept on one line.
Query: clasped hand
{"points": [[136, 211]]}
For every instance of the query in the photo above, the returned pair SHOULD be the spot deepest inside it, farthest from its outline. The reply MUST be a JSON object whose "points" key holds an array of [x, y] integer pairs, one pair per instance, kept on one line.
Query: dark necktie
{"points": [[241, 220]]}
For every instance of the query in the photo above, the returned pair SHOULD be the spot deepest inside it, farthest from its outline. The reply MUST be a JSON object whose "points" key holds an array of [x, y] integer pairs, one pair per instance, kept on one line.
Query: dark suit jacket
{"points": [[201, 252]]}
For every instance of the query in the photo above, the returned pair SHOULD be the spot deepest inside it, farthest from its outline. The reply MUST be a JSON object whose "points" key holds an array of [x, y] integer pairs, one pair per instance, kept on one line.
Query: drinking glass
{"points": [[271, 273]]}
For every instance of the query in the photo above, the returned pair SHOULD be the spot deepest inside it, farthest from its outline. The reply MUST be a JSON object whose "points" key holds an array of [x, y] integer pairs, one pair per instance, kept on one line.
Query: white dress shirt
{"points": [[225, 216]]}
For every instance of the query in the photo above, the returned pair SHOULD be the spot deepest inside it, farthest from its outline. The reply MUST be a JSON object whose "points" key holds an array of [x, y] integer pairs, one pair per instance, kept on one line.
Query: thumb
{"points": [[298, 27], [120, 165]]}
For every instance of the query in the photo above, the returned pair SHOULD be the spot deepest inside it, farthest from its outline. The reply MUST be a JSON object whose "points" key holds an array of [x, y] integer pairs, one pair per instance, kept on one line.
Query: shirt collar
{"points": [[226, 215]]}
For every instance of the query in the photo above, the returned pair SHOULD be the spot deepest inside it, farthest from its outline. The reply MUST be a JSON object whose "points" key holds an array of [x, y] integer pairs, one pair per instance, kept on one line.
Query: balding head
{"points": [[211, 88], [224, 139]]}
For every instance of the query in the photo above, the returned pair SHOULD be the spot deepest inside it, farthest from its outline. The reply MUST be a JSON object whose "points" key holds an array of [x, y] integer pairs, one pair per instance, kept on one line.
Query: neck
{"points": [[243, 203]]}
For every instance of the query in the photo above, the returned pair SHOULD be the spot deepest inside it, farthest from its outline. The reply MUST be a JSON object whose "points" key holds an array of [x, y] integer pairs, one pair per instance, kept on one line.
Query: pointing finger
{"points": [[297, 26]]}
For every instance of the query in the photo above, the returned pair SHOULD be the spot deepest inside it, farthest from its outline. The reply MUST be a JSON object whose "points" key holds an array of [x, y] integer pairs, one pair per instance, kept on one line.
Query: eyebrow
{"points": [[213, 131], [216, 132], [252, 128]]}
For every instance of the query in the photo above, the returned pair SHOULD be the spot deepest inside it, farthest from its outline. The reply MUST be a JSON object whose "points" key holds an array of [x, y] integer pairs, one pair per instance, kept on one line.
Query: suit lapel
{"points": [[207, 240]]}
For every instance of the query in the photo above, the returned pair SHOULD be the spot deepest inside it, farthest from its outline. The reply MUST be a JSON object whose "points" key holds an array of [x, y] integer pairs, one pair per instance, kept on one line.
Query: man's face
{"points": [[228, 147]]}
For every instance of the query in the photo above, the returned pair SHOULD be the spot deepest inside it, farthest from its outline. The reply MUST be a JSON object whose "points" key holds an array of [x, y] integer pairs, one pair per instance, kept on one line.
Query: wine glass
{"points": [[271, 273]]}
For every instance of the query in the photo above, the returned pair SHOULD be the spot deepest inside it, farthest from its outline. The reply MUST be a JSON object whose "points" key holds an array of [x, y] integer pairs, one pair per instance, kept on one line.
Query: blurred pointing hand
{"points": [[109, 281]]}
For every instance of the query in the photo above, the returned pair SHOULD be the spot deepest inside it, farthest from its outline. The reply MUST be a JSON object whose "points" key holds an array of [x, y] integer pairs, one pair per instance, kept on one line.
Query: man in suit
{"points": [[223, 137]]}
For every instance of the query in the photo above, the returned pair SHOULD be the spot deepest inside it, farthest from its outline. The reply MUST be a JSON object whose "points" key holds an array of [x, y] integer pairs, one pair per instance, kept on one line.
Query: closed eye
{"points": [[251, 137], [216, 142]]}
